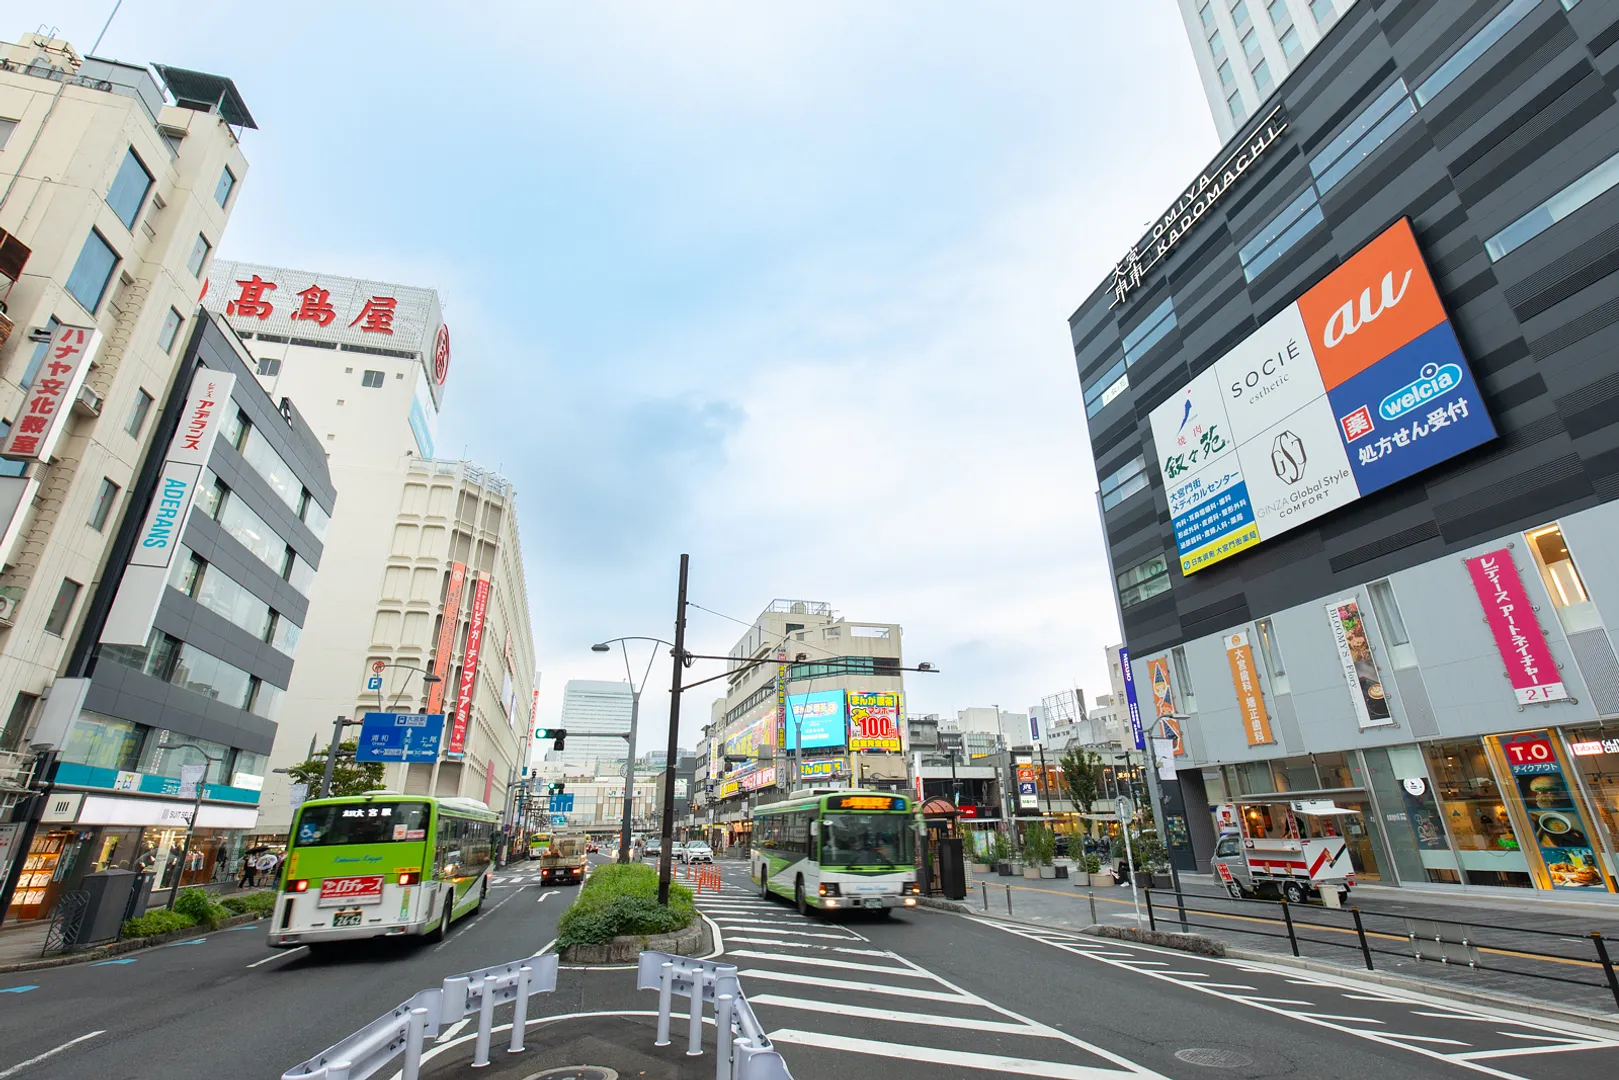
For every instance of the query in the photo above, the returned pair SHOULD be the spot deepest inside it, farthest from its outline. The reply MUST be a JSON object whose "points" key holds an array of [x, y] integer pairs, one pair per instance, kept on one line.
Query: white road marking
{"points": [[1424, 1038], [276, 956], [454, 1029], [1273, 1001], [849, 985], [788, 933], [544, 897], [896, 1017], [983, 1063], [1366, 1020], [846, 965], [1230, 986], [37, 1058], [1518, 1051]]}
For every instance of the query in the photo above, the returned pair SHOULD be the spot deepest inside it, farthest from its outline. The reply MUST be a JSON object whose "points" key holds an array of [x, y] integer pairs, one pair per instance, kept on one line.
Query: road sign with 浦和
{"points": [[402, 737], [562, 804], [374, 683], [559, 819]]}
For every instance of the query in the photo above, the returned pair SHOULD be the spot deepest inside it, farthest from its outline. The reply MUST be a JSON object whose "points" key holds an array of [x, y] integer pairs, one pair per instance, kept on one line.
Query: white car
{"points": [[696, 852], [677, 852]]}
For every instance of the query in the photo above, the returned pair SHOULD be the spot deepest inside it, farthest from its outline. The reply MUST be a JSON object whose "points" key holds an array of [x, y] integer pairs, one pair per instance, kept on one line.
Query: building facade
{"points": [[430, 613], [1244, 48], [596, 716], [1351, 408]]}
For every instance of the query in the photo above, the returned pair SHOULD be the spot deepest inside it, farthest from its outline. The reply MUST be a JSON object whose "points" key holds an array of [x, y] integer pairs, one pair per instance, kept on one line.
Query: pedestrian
{"points": [[246, 877]]}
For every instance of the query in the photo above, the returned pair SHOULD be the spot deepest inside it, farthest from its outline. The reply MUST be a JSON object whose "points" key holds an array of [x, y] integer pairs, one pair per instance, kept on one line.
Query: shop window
{"points": [[1474, 810], [1555, 209], [1183, 680], [1389, 620], [1293, 774], [1270, 650], [1475, 47], [1594, 754], [1544, 800], [1562, 578], [1143, 581]]}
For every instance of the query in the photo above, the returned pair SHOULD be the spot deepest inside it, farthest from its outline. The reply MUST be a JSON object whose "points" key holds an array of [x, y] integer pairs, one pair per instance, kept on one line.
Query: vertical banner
{"points": [[40, 416], [1134, 707], [1034, 728], [129, 621], [1250, 702], [1360, 670], [469, 669], [1518, 637], [446, 638], [1563, 840], [1163, 702], [781, 699]]}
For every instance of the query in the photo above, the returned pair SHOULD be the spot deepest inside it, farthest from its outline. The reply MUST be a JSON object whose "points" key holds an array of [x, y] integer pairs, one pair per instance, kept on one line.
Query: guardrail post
{"points": [[1090, 894], [1287, 916], [1152, 922], [1009, 898], [486, 1022], [1180, 905], [666, 987], [694, 1033], [520, 1009], [983, 888], [1360, 932], [722, 1039], [413, 1044], [1607, 963]]}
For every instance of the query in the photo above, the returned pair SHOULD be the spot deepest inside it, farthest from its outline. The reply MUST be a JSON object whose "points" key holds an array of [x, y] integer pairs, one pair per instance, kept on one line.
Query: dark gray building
{"points": [[1359, 485]]}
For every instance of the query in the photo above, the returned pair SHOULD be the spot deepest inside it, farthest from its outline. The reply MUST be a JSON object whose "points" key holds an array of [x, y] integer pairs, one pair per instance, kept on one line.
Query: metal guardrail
{"points": [[742, 1050], [411, 1022]]}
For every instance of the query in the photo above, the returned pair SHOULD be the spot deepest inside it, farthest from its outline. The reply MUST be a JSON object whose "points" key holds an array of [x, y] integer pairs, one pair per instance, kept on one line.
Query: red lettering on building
{"points": [[251, 303], [316, 306], [469, 668], [377, 316]]}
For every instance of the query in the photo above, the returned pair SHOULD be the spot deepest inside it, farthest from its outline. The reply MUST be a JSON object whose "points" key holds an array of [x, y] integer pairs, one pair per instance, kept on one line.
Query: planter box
{"points": [[1004, 869], [1063, 871], [692, 941], [1081, 879], [1031, 873], [982, 868], [1048, 872], [1162, 881]]}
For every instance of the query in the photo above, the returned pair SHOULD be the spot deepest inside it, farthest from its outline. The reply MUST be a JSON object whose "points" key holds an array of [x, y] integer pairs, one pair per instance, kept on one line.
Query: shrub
{"points": [[156, 922], [254, 903], [201, 907], [622, 900], [1039, 844], [1001, 849], [1093, 864]]}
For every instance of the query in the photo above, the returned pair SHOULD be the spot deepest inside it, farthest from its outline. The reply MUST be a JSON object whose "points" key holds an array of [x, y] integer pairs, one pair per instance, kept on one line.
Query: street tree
{"points": [[1081, 772], [349, 777]]}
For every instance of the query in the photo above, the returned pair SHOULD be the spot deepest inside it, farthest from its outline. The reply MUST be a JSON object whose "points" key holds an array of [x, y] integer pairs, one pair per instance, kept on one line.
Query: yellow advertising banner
{"points": [[1250, 702]]}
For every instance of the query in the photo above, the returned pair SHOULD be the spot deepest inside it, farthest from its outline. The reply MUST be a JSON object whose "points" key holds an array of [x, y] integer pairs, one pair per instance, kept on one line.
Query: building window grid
{"points": [[1124, 482], [1386, 115], [1280, 16], [1576, 195], [1324, 13], [1473, 48], [1227, 78], [1150, 330], [101, 509], [1250, 44], [1280, 233], [1290, 43], [1238, 109], [1143, 581], [1262, 78], [1239, 13]]}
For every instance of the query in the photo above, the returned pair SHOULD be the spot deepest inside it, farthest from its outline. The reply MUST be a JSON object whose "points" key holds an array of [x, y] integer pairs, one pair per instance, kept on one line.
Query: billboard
{"points": [[1250, 701], [1360, 668], [874, 720], [469, 669], [1518, 637], [816, 720], [754, 739], [446, 637], [1356, 385]]}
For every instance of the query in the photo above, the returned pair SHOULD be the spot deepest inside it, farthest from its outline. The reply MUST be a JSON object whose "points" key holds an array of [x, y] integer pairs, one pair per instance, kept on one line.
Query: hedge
{"points": [[157, 921], [621, 900], [194, 907], [254, 903]]}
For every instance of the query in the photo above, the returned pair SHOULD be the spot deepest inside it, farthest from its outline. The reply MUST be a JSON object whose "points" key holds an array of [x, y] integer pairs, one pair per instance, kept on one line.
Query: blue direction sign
{"points": [[556, 819], [402, 737], [562, 804]]}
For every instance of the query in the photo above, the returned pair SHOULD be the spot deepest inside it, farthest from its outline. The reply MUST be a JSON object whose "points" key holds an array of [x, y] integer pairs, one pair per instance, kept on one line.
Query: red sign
{"points": [[343, 891], [39, 417], [251, 303], [1529, 750], [446, 637], [469, 669], [441, 353], [968, 810], [1518, 638], [377, 315], [316, 306]]}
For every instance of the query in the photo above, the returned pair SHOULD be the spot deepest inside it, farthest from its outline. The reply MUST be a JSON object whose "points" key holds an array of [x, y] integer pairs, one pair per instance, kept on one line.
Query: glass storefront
{"points": [[59, 859], [1548, 811], [1594, 753]]}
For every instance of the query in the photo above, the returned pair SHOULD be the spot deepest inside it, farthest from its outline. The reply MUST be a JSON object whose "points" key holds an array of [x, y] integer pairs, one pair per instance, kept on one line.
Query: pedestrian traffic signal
{"points": [[555, 734]]}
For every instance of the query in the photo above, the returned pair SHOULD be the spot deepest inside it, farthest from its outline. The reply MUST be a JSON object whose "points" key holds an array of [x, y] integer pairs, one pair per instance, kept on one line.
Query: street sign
{"points": [[562, 804], [1124, 809], [402, 737], [191, 780], [374, 683], [378, 666], [559, 819], [296, 794]]}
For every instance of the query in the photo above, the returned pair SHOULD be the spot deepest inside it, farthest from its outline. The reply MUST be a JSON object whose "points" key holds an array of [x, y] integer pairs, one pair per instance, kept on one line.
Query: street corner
{"points": [[580, 1046]]}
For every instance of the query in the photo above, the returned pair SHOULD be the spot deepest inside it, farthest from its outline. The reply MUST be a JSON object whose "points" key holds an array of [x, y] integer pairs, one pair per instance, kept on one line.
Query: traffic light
{"points": [[555, 787], [555, 734]]}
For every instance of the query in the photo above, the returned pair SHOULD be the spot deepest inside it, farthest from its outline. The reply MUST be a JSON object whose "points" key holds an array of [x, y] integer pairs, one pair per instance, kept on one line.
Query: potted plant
{"points": [[983, 856], [1091, 867], [1152, 861], [1001, 855], [1037, 849]]}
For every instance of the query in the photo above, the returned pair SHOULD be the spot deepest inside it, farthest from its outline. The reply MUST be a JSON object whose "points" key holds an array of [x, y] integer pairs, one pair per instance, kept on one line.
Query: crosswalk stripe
{"points": [[788, 933], [846, 965], [848, 985], [987, 1063], [866, 1012]]}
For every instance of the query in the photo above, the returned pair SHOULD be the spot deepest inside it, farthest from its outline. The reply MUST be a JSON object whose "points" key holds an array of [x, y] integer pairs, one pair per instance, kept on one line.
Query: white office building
{"points": [[596, 716], [1243, 48]]}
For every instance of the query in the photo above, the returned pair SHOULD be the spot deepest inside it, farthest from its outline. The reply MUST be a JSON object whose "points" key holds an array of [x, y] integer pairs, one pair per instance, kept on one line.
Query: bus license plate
{"points": [[874, 901], [346, 918]]}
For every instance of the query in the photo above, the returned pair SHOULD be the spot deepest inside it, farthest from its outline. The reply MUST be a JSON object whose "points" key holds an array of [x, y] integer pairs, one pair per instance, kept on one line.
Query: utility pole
{"points": [[667, 829], [331, 754]]}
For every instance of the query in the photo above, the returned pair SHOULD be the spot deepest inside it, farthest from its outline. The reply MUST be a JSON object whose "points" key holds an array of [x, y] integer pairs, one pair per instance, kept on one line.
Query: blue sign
{"points": [[1025, 787], [1130, 701], [402, 737], [562, 804], [559, 819], [1034, 727], [374, 683], [815, 720]]}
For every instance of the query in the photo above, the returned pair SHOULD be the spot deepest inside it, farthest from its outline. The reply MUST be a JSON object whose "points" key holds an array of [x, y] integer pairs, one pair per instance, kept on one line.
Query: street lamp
{"points": [[427, 679], [191, 826], [342, 722], [635, 716]]}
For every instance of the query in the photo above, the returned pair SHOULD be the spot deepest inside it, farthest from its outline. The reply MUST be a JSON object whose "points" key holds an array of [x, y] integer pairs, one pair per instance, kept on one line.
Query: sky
{"points": [[784, 286]]}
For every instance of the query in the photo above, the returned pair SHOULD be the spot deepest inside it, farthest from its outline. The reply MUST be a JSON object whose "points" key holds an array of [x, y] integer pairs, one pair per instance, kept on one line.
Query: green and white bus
{"points": [[382, 865], [838, 850]]}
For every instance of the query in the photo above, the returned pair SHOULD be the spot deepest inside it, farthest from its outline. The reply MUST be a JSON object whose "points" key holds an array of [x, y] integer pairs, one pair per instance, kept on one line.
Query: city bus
{"points": [[838, 850], [538, 844], [382, 864]]}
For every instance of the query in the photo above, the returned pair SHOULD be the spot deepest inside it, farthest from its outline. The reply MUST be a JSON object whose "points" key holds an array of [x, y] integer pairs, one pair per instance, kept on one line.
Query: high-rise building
{"points": [[432, 568], [596, 716], [1353, 411], [1244, 48]]}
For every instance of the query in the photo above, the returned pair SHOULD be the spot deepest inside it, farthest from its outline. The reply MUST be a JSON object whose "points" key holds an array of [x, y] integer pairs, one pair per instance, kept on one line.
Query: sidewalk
{"points": [[1502, 930], [21, 943]]}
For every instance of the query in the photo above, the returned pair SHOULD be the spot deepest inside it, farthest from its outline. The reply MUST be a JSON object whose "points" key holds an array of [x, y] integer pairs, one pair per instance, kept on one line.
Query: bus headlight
{"points": [[831, 889], [301, 885], [408, 877]]}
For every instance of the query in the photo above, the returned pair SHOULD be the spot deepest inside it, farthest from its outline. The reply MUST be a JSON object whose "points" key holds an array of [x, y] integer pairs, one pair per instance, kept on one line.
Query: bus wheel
{"points": [[443, 922], [764, 882], [798, 895], [483, 894]]}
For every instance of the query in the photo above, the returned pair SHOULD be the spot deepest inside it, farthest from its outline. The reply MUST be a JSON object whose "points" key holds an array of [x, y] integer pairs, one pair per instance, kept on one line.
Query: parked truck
{"points": [[1290, 850]]}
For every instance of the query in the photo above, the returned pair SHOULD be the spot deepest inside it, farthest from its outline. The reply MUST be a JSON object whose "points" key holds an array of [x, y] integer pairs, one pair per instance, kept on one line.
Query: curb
{"points": [[116, 948]]}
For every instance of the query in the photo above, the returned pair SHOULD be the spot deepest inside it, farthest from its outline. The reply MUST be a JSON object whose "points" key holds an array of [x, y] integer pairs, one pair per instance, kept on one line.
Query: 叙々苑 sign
{"points": [[1356, 385], [400, 737], [1518, 637]]}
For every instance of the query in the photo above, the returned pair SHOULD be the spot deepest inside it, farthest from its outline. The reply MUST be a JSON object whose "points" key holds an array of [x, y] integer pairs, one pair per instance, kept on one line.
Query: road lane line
{"points": [[1273, 1001], [454, 1029], [897, 1017], [544, 897], [1517, 1051], [978, 1063], [870, 988], [37, 1058], [276, 956]]}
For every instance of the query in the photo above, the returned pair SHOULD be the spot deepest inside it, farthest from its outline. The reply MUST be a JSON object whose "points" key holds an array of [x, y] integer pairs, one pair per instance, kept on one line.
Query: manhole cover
{"points": [[576, 1072], [1214, 1059]]}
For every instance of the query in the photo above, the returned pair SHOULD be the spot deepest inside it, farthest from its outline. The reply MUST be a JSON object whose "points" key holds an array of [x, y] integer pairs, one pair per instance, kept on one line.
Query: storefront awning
{"points": [[1354, 794]]}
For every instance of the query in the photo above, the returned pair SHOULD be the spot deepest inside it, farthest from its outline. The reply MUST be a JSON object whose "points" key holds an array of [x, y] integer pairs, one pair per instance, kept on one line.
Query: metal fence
{"points": [[1510, 950], [742, 1050]]}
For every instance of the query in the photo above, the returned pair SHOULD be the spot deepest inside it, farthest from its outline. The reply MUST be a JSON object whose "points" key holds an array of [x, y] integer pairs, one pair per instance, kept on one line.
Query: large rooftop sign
{"points": [[1356, 385]]}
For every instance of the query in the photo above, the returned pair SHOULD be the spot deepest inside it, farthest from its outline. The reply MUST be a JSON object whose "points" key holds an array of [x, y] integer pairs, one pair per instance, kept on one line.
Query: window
{"points": [[1150, 330], [106, 495], [38, 357], [1555, 209], [199, 255], [1206, 14], [164, 755], [1124, 483], [225, 597], [1143, 581], [1216, 45], [6, 128], [270, 465], [155, 658], [227, 184], [1392, 624], [10, 468], [371, 378], [1324, 14], [1280, 233], [1226, 76], [211, 494], [1112, 383], [1563, 580], [1568, 5], [137, 415], [269, 366], [22, 709], [1239, 14], [315, 516], [1278, 12], [1271, 652], [1473, 808], [1262, 78], [234, 429], [187, 570], [1473, 48], [66, 595], [208, 675], [103, 742], [1234, 103], [284, 635], [1290, 42], [129, 188], [1250, 44], [299, 574], [170, 331], [1382, 118], [92, 271], [238, 519], [1183, 679]]}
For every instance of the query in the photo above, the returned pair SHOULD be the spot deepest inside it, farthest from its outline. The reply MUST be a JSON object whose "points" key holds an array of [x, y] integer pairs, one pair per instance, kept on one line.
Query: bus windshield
{"points": [[867, 840], [362, 823]]}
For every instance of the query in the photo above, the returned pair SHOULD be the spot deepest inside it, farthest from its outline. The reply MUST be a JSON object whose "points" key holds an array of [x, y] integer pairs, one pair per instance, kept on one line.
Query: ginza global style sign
{"points": [[1358, 384]]}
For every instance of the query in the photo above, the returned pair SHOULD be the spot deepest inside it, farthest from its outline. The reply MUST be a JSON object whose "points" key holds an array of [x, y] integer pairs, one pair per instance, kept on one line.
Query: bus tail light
{"points": [[831, 889], [911, 888], [409, 877], [301, 885]]}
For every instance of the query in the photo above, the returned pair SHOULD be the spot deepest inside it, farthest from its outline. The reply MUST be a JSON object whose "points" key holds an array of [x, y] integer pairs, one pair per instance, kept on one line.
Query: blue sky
{"points": [[783, 285]]}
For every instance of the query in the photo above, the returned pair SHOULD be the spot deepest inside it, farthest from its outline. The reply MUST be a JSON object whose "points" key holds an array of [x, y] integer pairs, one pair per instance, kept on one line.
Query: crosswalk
{"points": [[827, 997], [1452, 1033]]}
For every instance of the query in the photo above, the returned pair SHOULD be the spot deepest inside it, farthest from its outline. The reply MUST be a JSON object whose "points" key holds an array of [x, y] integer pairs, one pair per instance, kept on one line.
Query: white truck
{"points": [[1302, 861]]}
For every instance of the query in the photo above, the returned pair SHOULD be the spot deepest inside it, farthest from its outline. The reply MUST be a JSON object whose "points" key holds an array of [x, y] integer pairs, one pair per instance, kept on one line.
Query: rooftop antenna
{"points": [[104, 27]]}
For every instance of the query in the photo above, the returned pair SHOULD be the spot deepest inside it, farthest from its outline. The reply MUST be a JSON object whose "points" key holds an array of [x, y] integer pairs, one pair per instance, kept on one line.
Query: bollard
{"points": [[1091, 896], [486, 1023], [722, 1036], [666, 988], [413, 1044], [1009, 898], [694, 1036], [520, 1009], [983, 888], [1287, 916], [1152, 923]]}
